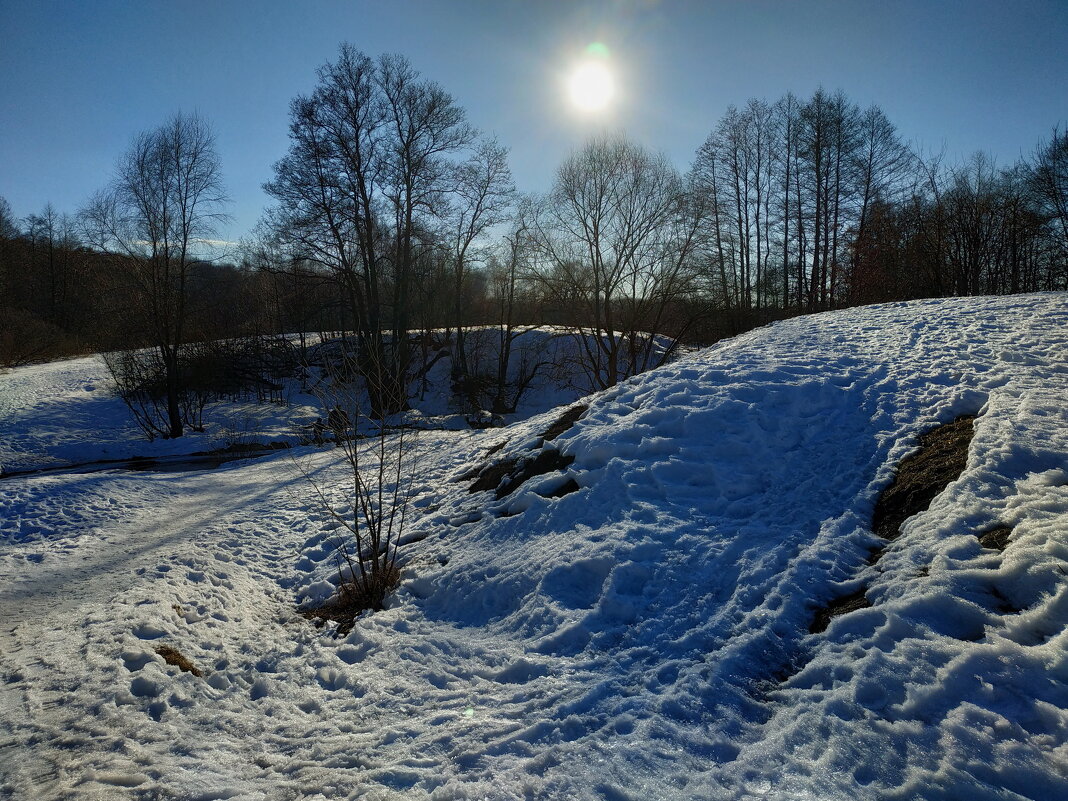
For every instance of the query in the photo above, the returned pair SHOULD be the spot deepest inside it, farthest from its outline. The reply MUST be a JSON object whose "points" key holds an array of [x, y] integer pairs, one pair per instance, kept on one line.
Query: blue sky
{"points": [[81, 78]]}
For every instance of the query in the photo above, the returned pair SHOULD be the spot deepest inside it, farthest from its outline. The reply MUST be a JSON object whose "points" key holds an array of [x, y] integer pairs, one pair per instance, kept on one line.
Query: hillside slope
{"points": [[633, 625]]}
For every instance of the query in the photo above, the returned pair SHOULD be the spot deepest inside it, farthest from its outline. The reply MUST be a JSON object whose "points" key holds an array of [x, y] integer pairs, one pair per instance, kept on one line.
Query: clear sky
{"points": [[78, 79]]}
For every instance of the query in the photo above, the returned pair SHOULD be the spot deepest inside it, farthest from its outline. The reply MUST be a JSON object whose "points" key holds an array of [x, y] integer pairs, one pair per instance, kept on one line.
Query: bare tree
{"points": [[1048, 179], [9, 228], [883, 164], [52, 242], [482, 195], [360, 189], [615, 238], [734, 170], [517, 363], [785, 154], [827, 139], [153, 220]]}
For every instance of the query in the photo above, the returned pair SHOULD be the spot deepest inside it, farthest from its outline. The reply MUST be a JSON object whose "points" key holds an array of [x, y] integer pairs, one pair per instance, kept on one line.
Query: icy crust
{"points": [[645, 636]]}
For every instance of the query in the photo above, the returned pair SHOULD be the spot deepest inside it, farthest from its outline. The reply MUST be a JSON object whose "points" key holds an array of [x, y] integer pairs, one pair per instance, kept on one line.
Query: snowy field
{"points": [[643, 637]]}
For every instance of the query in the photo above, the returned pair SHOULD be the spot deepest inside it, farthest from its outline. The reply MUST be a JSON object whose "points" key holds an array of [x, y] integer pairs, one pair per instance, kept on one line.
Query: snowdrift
{"points": [[632, 623]]}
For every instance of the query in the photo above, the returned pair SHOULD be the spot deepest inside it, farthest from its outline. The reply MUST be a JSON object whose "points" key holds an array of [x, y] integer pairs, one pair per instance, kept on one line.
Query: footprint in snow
{"points": [[144, 687], [148, 631], [134, 661]]}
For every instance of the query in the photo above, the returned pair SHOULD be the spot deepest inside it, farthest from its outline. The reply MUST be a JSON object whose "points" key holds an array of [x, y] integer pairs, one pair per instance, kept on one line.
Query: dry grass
{"points": [[353, 599], [172, 656]]}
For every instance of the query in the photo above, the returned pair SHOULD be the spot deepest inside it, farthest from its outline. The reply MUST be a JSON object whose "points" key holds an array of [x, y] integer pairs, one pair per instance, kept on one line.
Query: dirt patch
{"points": [[172, 656], [839, 606], [490, 476], [996, 539], [564, 422], [568, 487], [920, 478], [478, 469], [336, 612], [546, 461], [942, 457], [507, 475]]}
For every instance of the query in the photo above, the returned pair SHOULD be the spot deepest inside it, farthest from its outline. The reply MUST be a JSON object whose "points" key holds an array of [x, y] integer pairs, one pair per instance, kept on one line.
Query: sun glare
{"points": [[591, 86]]}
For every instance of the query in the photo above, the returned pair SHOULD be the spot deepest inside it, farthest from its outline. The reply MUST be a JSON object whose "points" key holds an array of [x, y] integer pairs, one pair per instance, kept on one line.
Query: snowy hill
{"points": [[635, 622]]}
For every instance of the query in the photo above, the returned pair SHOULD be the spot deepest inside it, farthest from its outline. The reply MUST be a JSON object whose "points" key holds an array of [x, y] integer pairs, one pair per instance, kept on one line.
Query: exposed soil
{"points": [[996, 539], [920, 478], [489, 476], [564, 422], [351, 601], [546, 461], [507, 475], [338, 613], [568, 487], [942, 457], [839, 606], [172, 656]]}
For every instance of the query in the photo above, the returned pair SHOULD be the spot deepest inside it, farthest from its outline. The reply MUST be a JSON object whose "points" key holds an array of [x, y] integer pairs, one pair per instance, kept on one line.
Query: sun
{"points": [[591, 86]]}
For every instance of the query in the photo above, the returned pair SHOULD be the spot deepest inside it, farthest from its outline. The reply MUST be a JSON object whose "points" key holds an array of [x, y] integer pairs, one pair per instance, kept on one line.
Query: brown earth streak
{"points": [[942, 457]]}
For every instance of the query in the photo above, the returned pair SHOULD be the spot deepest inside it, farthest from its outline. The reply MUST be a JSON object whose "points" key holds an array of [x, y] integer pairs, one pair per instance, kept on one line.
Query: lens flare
{"points": [[597, 50]]}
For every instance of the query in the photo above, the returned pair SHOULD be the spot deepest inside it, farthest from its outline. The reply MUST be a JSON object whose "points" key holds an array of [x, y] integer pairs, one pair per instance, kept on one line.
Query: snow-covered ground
{"points": [[646, 636], [67, 412]]}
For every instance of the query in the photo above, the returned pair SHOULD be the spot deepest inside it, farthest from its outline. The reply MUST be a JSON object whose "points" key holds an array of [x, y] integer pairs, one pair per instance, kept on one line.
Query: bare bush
{"points": [[615, 245], [159, 210], [243, 369], [379, 470]]}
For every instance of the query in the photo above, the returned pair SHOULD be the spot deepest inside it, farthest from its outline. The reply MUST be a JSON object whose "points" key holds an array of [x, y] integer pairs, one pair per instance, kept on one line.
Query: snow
{"points": [[645, 636], [67, 412]]}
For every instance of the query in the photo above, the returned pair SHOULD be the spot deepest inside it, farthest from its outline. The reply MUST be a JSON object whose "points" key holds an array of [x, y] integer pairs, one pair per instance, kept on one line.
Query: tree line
{"points": [[395, 220], [819, 204]]}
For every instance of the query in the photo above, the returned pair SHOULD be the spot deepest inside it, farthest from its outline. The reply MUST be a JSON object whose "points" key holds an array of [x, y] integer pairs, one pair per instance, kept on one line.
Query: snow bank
{"points": [[726, 496], [646, 635], [68, 412]]}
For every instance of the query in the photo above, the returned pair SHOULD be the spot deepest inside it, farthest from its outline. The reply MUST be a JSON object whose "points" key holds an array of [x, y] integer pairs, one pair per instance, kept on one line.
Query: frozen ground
{"points": [[645, 636]]}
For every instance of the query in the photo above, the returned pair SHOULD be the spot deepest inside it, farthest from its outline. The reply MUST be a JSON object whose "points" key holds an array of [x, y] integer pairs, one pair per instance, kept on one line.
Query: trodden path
{"points": [[95, 537]]}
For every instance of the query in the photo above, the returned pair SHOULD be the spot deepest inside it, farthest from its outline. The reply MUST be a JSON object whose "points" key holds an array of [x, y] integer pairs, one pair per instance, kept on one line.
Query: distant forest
{"points": [[392, 217]]}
